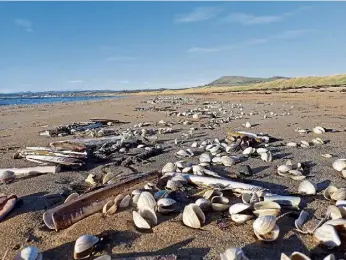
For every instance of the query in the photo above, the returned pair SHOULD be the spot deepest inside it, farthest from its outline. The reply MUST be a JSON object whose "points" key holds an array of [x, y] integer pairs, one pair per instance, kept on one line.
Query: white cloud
{"points": [[248, 19], [78, 81], [292, 34], [197, 15], [124, 82], [120, 58], [26, 24]]}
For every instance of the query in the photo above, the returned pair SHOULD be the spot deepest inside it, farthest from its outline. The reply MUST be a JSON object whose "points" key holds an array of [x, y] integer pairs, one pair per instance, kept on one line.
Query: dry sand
{"points": [[19, 127]]}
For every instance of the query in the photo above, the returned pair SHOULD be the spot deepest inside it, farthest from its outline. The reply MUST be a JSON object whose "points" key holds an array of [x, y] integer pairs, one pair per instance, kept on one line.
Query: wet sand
{"points": [[20, 125]]}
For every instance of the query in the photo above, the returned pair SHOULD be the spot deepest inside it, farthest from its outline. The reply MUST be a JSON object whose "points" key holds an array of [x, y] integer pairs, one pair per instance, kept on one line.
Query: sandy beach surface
{"points": [[20, 127]]}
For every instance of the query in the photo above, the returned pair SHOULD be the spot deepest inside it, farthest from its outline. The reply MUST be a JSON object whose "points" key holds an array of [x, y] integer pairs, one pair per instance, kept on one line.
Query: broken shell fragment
{"points": [[307, 188], [91, 179], [233, 254], [265, 228], [107, 207], [294, 256], [29, 253], [339, 194], [84, 246], [205, 158], [327, 235], [193, 216], [334, 212]]}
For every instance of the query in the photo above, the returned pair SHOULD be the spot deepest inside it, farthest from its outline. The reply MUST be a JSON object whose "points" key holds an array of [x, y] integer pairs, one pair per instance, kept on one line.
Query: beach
{"points": [[20, 127]]}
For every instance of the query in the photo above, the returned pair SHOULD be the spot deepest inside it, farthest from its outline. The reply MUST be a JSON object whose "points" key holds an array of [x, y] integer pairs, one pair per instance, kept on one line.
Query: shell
{"points": [[182, 153], [166, 205], [292, 144], [29, 253], [194, 144], [107, 177], [180, 178], [104, 257], [139, 221], [327, 193], [169, 167], [261, 150], [173, 185], [339, 165], [125, 202], [219, 203], [107, 207], [238, 208], [334, 212], [327, 235], [227, 161], [317, 141], [179, 164], [307, 188], [241, 218], [90, 179], [267, 157], [71, 197], [264, 225], [318, 130], [7, 176], [300, 221], [193, 216], [327, 155], [84, 246], [248, 125], [340, 194], [216, 160], [211, 193], [146, 199], [284, 169], [304, 144], [330, 257], [267, 208], [233, 254], [249, 151], [295, 256], [249, 198], [287, 201], [187, 169], [203, 203], [205, 158]]}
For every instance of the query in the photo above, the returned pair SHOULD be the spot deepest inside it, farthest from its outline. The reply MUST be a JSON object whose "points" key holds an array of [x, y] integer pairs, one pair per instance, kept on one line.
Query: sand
{"points": [[20, 125]]}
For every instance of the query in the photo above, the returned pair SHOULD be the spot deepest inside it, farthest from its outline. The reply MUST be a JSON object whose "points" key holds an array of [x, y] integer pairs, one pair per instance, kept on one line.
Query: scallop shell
{"points": [[267, 208], [318, 130], [166, 205], [233, 254], [7, 176], [265, 226], [169, 167], [339, 165], [203, 203], [205, 158], [327, 235], [71, 197], [146, 199], [29, 253], [193, 216], [219, 203], [84, 246], [307, 188]]}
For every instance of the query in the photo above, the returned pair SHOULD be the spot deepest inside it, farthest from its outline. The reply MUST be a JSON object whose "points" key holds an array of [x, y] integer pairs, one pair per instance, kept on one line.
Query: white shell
{"points": [[209, 194], [205, 158], [233, 254], [340, 194], [169, 167], [241, 218], [193, 216], [139, 221], [146, 199], [165, 205], [327, 193], [265, 225], [84, 243], [327, 235], [173, 185], [261, 150], [29, 253], [183, 153], [249, 151], [227, 161], [267, 208], [300, 221], [125, 202], [203, 203], [219, 203], [284, 168], [292, 144], [318, 130], [71, 197], [267, 157], [194, 144], [238, 208], [247, 125], [249, 198], [317, 141], [304, 144], [339, 165], [306, 187]]}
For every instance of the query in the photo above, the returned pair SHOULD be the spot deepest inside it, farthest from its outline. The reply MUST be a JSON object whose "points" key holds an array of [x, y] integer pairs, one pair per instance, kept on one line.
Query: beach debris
{"points": [[71, 197], [29, 253], [294, 256], [290, 170], [233, 254], [264, 208], [219, 203], [7, 204], [91, 179], [70, 129], [265, 228], [328, 236], [292, 202], [334, 193], [319, 130], [307, 188], [193, 216], [145, 218], [240, 212], [84, 246], [327, 155], [340, 166]]}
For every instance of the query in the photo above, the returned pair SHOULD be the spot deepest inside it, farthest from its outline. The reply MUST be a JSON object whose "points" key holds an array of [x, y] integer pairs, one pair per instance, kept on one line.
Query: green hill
{"points": [[240, 80]]}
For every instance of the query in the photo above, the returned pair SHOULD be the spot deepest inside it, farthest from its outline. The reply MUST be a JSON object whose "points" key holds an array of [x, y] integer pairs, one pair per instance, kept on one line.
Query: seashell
{"points": [[84, 246], [125, 202], [334, 212], [327, 235], [266, 226], [340, 194], [233, 254], [327, 155], [90, 179], [264, 208], [219, 203], [166, 205], [179, 164], [292, 144], [187, 169], [237, 212], [300, 221], [248, 125], [136, 192], [318, 130], [336, 222], [194, 145], [261, 150], [284, 169], [190, 152], [211, 193], [145, 218], [169, 167], [286, 201], [174, 185], [182, 153], [241, 218], [107, 207], [7, 176], [205, 158], [180, 178], [107, 177], [304, 144], [203, 203], [238, 208], [329, 257], [307, 188], [208, 147], [249, 151], [249, 198], [216, 160], [227, 161], [71, 197], [29, 253], [294, 256], [339, 165], [327, 193], [317, 141], [146, 199], [193, 216], [149, 186], [267, 157], [104, 257]]}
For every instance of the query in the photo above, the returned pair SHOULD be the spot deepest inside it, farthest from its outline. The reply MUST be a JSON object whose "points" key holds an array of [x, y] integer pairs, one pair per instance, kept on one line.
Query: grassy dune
{"points": [[280, 84]]}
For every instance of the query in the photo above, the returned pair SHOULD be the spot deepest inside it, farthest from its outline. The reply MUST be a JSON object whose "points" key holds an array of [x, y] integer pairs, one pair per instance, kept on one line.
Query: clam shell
{"points": [[205, 158], [241, 218], [264, 225], [261, 150], [211, 193], [219, 203], [216, 160], [304, 144], [29, 253], [327, 193], [71, 197], [292, 144], [249, 198], [249, 151], [104, 257], [193, 216], [233, 254], [169, 167], [146, 199], [7, 176], [135, 199], [284, 169], [107, 206], [327, 235], [287, 201], [107, 177], [267, 157], [339, 165], [203, 203], [125, 202], [179, 164], [318, 130], [187, 169], [174, 185], [298, 256], [327, 155], [227, 161], [334, 212], [139, 221], [84, 246], [307, 188], [266, 208], [182, 153], [166, 205], [317, 141], [149, 215], [301, 220], [340, 194], [238, 208], [194, 145]]}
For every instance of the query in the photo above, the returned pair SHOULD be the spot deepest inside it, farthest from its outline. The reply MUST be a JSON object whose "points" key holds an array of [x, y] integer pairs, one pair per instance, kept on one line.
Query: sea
{"points": [[6, 101]]}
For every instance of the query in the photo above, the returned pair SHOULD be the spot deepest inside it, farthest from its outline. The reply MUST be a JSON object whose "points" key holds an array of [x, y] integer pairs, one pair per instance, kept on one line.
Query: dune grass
{"points": [[280, 84]]}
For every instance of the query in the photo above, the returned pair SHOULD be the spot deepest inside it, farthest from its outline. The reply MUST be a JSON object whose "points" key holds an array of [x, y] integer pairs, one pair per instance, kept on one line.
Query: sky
{"points": [[136, 45]]}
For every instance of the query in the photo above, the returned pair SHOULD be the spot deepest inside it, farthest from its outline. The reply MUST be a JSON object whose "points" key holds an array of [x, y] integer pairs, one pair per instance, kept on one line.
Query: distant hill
{"points": [[240, 80]]}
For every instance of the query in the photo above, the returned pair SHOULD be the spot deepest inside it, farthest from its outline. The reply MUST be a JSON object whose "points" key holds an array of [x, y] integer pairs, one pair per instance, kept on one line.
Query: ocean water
{"points": [[48, 100]]}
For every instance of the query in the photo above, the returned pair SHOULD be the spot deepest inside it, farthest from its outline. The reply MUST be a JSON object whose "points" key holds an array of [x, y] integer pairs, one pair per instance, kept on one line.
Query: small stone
{"points": [[243, 171]]}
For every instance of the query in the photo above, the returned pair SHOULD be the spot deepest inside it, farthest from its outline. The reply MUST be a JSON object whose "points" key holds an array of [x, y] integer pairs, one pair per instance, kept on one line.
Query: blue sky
{"points": [[133, 45]]}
